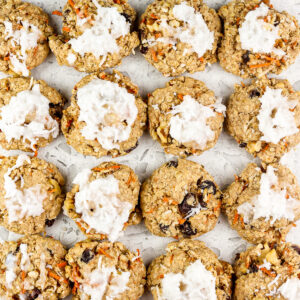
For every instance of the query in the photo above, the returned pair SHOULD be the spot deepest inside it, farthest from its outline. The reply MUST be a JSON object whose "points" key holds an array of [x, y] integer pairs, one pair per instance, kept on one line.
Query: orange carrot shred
{"points": [[6, 58], [260, 65], [266, 271], [57, 13], [180, 96], [115, 167], [101, 251], [236, 218], [62, 264], [66, 29], [181, 221], [154, 56], [243, 84], [166, 199], [201, 59]]}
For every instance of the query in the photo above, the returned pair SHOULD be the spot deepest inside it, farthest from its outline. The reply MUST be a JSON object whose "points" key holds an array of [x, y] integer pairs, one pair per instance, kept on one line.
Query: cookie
{"points": [[96, 34], [269, 111], [106, 116], [257, 38], [24, 33], [105, 271], [185, 117], [263, 203], [30, 194], [103, 201], [269, 271], [180, 199], [30, 113], [189, 270], [33, 268], [179, 36]]}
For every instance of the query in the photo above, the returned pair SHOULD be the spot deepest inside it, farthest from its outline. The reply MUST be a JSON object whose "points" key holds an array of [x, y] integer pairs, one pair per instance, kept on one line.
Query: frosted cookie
{"points": [[103, 201], [179, 36], [105, 271], [30, 113], [189, 270], [33, 268], [185, 117], [263, 203], [30, 194], [269, 110], [106, 116], [269, 271], [257, 38], [180, 199], [24, 33], [96, 34]]}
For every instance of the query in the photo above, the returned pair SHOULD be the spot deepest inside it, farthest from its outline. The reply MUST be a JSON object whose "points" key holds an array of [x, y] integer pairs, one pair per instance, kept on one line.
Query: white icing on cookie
{"points": [[71, 58], [25, 260], [22, 203], [108, 110], [105, 279], [26, 37], [189, 122], [10, 274], [290, 290], [271, 203], [98, 202], [258, 36], [198, 282], [14, 122], [100, 39], [276, 116]]}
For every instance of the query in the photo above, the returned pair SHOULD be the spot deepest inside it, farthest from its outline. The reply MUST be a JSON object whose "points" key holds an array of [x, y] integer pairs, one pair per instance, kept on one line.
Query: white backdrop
{"points": [[223, 161]]}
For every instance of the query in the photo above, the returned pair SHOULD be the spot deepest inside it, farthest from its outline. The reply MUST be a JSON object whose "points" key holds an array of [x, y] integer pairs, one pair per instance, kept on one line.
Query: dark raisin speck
{"points": [[87, 255], [17, 250], [144, 49], [254, 93], [187, 204], [126, 17], [207, 184], [253, 267], [172, 163], [33, 294], [164, 228], [242, 145], [201, 201], [186, 229], [245, 57], [296, 248], [49, 223], [276, 23], [132, 148]]}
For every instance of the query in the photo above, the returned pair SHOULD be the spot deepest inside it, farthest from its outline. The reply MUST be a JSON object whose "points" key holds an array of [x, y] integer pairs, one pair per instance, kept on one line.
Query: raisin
{"points": [[242, 145], [33, 294], [201, 201], [207, 184], [164, 228], [172, 163], [245, 57], [126, 17], [186, 229], [237, 256], [187, 204], [253, 267], [17, 250], [132, 148], [276, 23], [254, 93], [49, 223], [296, 248], [144, 49], [87, 255]]}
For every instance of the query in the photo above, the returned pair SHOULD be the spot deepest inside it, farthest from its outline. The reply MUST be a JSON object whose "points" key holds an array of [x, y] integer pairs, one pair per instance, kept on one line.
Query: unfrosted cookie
{"points": [[96, 34], [257, 38], [30, 113], [268, 271], [189, 270], [180, 199], [103, 200], [185, 117], [105, 271], [264, 117], [24, 33], [263, 203], [106, 116], [179, 36], [33, 268], [30, 194]]}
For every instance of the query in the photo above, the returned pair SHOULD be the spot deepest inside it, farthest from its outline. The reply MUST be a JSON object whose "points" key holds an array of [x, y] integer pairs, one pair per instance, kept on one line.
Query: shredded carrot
{"points": [[103, 76], [176, 237], [290, 269], [35, 150], [266, 147], [282, 60], [174, 202], [260, 65], [51, 191], [218, 206], [23, 275], [294, 225], [74, 275], [80, 226], [181, 221], [171, 258], [157, 35], [132, 91], [154, 56], [287, 196], [242, 221], [56, 277], [180, 96], [266, 271], [117, 1], [66, 29], [238, 21], [50, 170], [130, 179], [236, 178], [236, 217], [243, 84], [115, 167], [153, 16], [57, 13], [149, 95], [62, 264], [101, 251], [201, 59], [6, 58], [150, 211], [160, 52], [166, 199]]}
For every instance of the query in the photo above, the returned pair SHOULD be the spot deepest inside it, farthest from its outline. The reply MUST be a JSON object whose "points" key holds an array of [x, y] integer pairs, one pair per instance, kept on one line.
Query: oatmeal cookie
{"points": [[24, 33], [269, 271], [264, 117], [33, 268], [103, 201], [30, 194], [179, 36], [263, 203], [105, 271], [180, 199], [185, 117], [189, 270], [257, 38], [96, 34], [30, 113]]}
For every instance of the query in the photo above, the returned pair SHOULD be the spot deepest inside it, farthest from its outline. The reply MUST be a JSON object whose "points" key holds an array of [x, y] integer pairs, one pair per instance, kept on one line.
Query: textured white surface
{"points": [[223, 161]]}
